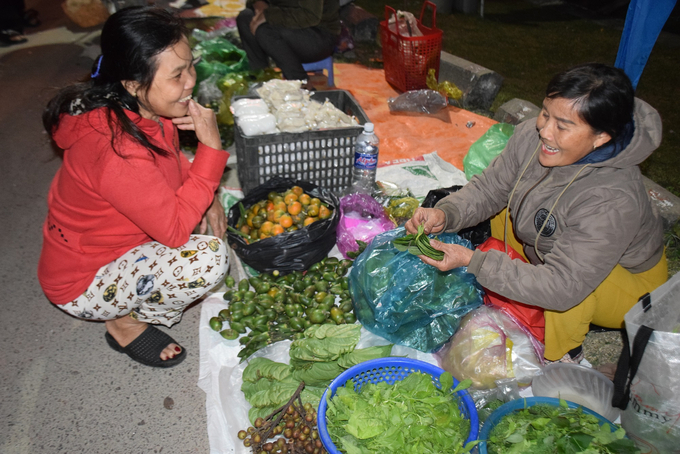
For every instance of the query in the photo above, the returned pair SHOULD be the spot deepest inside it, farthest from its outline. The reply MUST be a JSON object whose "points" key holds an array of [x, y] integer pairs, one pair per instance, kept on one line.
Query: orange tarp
{"points": [[407, 136]]}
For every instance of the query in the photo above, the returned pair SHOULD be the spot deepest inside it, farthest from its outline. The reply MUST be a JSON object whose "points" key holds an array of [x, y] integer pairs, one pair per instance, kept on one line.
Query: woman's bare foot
{"points": [[126, 329], [10, 37]]}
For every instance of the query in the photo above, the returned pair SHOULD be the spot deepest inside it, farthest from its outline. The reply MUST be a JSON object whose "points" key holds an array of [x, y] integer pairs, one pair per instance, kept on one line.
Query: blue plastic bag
{"points": [[406, 301]]}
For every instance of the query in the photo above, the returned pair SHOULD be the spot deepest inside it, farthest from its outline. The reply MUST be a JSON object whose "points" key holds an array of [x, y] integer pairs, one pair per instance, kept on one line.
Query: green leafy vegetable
{"points": [[546, 429], [418, 244], [325, 342], [322, 354], [360, 355], [317, 373], [277, 394], [362, 247], [263, 367], [410, 416]]}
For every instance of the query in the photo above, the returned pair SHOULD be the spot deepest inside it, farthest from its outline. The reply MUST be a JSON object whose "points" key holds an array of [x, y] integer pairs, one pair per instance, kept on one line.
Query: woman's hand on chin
{"points": [[202, 120]]}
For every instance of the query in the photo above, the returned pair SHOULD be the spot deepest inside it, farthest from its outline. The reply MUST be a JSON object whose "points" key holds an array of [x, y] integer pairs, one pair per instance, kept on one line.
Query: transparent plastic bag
{"points": [[401, 210], [408, 24], [418, 101], [406, 301], [361, 218], [206, 91], [491, 346], [487, 147], [646, 385], [445, 88]]}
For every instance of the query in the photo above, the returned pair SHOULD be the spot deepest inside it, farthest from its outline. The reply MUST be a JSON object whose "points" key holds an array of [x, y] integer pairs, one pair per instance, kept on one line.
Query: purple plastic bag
{"points": [[361, 218]]}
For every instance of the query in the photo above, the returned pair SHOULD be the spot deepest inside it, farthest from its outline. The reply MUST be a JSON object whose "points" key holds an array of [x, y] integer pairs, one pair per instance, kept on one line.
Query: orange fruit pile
{"points": [[281, 212]]}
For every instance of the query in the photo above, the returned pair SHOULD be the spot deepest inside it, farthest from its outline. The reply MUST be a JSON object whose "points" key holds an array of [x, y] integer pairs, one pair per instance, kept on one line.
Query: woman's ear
{"points": [[601, 139], [131, 86]]}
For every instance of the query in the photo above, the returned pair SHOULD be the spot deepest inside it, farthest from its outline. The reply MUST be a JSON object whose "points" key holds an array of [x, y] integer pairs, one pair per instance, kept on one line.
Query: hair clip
{"points": [[99, 65]]}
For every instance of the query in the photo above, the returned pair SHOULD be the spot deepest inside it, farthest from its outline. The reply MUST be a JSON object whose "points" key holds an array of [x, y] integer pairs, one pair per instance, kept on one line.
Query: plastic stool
{"points": [[326, 63]]}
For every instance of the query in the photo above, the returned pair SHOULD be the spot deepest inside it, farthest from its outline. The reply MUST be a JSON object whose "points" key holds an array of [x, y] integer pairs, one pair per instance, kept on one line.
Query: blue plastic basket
{"points": [[520, 404], [390, 370]]}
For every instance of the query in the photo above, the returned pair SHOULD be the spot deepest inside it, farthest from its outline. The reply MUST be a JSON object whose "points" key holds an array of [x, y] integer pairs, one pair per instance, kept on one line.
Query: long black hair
{"points": [[130, 40], [603, 95]]}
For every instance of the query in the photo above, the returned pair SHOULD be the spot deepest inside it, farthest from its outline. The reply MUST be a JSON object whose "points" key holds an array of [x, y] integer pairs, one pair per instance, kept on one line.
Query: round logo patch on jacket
{"points": [[550, 226]]}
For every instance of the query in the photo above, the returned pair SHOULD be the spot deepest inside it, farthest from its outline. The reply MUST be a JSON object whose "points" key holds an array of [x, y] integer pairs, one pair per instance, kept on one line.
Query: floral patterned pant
{"points": [[153, 283]]}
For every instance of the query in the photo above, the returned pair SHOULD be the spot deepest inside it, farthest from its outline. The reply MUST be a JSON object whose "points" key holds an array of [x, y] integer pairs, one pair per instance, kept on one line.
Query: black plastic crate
{"points": [[323, 157]]}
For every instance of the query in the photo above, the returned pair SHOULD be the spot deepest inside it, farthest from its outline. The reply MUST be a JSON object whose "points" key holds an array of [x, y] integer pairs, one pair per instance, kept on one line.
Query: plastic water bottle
{"points": [[365, 160]]}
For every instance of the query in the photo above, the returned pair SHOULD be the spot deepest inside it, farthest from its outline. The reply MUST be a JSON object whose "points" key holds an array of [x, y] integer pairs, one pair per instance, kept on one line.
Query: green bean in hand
{"points": [[418, 244]]}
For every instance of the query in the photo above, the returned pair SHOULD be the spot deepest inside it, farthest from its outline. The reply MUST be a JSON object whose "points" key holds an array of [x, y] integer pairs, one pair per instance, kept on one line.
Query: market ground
{"points": [[63, 389]]}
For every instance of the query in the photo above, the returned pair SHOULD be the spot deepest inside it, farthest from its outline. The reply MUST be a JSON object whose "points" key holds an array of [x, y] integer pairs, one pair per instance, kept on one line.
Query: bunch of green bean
{"points": [[418, 244]]}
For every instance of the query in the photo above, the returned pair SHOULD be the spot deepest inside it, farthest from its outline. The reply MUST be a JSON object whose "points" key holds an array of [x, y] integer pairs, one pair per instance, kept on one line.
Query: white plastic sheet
{"points": [[221, 377]]}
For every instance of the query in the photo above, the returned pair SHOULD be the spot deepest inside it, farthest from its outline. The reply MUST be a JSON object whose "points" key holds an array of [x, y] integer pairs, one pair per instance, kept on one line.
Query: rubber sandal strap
{"points": [[147, 347]]}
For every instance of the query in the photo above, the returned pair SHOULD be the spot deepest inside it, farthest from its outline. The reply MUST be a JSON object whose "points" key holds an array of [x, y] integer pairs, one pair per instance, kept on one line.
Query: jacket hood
{"points": [[646, 138], [72, 128]]}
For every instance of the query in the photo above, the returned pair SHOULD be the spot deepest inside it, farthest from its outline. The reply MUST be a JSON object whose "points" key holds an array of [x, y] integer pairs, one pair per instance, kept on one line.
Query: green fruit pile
{"points": [[268, 308]]}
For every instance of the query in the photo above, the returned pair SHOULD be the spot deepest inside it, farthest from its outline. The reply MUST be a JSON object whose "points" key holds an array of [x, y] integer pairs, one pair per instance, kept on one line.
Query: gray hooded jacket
{"points": [[603, 218]]}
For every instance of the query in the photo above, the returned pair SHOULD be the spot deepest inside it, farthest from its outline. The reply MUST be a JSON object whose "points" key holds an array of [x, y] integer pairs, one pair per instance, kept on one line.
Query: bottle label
{"points": [[365, 161]]}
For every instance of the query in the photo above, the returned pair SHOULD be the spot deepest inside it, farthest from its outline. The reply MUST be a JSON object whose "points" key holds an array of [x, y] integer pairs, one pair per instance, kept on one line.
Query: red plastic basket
{"points": [[407, 59]]}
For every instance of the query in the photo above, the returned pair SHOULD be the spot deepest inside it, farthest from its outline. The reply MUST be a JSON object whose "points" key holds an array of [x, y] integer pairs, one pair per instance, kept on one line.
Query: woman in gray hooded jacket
{"points": [[577, 209]]}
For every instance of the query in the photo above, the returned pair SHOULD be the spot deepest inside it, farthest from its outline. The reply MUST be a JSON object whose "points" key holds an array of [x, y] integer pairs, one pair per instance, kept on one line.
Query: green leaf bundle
{"points": [[418, 244], [322, 354]]}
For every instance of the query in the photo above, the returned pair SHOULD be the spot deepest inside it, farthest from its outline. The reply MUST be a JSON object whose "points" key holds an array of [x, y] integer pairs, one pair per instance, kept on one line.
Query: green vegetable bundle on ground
{"points": [[410, 416], [547, 429], [322, 354]]}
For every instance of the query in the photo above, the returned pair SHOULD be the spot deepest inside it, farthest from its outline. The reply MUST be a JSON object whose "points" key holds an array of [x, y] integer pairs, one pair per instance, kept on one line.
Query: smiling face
{"points": [[172, 85], [565, 136]]}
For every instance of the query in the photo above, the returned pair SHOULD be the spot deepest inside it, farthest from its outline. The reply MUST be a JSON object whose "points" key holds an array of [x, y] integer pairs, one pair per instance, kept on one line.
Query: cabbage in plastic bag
{"points": [[490, 346], [406, 301]]}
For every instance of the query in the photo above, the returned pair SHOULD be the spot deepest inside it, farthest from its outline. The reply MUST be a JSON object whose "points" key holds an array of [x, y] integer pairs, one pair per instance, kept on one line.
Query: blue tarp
{"points": [[644, 21]]}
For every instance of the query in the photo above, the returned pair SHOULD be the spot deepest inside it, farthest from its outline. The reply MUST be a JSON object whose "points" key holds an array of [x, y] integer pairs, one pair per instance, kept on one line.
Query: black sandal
{"points": [[147, 347], [11, 37]]}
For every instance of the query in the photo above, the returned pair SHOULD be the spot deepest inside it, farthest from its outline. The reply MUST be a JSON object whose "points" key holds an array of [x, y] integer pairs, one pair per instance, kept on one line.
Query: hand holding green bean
{"points": [[418, 244], [442, 256]]}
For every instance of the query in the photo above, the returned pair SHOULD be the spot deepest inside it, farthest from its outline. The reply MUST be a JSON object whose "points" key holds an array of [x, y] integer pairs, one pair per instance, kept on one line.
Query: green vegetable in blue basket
{"points": [[547, 429], [410, 416]]}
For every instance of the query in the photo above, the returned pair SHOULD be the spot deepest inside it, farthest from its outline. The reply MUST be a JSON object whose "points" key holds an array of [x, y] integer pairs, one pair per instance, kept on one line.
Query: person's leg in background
{"points": [[257, 57], [291, 48]]}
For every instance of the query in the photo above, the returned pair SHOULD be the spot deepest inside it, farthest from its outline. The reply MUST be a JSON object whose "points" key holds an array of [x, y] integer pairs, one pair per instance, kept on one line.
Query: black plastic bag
{"points": [[477, 234], [291, 251]]}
